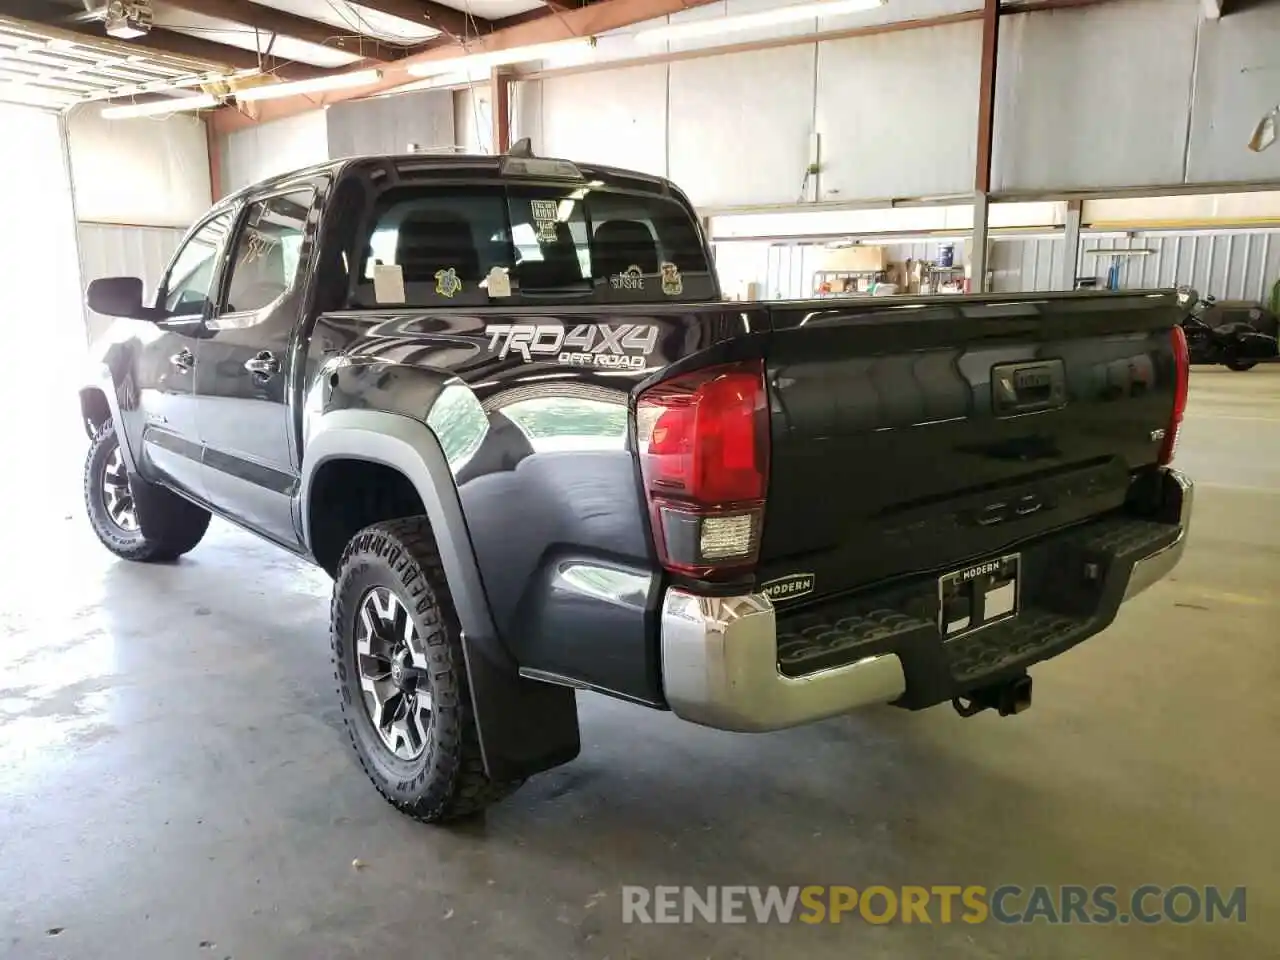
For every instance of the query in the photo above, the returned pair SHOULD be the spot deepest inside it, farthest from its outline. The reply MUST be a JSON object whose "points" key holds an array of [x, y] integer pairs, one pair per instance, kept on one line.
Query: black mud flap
{"points": [[526, 726]]}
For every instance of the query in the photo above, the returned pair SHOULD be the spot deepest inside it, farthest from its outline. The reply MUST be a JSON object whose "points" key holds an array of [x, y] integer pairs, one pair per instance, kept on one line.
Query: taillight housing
{"points": [[1182, 382], [703, 442]]}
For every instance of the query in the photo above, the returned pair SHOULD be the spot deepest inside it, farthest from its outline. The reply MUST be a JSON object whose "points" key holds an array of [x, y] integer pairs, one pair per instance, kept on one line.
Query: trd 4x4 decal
{"points": [[611, 345]]}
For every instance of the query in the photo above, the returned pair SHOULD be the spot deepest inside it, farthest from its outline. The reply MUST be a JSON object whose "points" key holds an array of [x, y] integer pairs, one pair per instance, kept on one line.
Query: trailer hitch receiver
{"points": [[1007, 698]]}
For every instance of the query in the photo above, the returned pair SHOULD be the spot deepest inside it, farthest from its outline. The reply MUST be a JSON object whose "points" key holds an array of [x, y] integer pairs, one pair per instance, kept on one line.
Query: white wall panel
{"points": [[614, 117], [621, 44], [898, 113], [526, 112], [473, 119], [113, 250], [740, 125], [390, 124], [1237, 81], [146, 171], [267, 149], [1095, 97]]}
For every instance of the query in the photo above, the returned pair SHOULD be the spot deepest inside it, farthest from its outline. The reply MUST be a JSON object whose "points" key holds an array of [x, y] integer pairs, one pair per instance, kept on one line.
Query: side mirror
{"points": [[117, 297]]}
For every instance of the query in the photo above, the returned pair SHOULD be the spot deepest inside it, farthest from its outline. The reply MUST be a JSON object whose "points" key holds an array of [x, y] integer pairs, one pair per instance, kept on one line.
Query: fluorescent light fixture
{"points": [[499, 58], [337, 81], [1264, 134], [154, 108], [213, 78], [710, 27]]}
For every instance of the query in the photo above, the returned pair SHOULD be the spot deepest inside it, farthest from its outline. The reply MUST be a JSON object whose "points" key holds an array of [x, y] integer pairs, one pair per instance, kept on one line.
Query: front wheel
{"points": [[135, 519], [402, 678]]}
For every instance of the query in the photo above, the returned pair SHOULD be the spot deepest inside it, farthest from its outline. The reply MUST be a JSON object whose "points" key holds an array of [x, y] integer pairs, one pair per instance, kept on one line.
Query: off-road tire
{"points": [[448, 780], [168, 525]]}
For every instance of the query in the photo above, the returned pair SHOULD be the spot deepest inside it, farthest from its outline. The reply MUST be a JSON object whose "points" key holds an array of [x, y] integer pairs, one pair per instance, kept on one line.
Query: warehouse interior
{"points": [[174, 774]]}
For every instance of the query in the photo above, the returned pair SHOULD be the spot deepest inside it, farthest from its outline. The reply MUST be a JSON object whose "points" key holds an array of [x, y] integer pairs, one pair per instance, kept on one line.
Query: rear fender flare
{"points": [[409, 446], [524, 726]]}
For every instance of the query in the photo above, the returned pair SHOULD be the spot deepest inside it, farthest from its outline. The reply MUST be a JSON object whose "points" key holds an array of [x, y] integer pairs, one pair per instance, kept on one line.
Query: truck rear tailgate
{"points": [[912, 438]]}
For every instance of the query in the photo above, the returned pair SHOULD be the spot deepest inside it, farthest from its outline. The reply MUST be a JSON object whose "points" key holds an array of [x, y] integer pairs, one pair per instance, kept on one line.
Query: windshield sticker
{"points": [[447, 282], [498, 282], [623, 346], [631, 278], [544, 219], [672, 284], [388, 283]]}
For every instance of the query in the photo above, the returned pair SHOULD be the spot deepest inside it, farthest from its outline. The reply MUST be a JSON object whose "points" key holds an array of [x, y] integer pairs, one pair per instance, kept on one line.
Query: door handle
{"points": [[184, 359], [263, 366]]}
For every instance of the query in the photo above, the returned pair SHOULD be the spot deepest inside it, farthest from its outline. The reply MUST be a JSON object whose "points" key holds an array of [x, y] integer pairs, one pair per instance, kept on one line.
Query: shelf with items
{"points": [[938, 279], [846, 283]]}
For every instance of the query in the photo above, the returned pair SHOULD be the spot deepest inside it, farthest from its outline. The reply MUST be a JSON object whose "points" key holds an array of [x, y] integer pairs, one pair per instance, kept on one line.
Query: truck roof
{"points": [[485, 166]]}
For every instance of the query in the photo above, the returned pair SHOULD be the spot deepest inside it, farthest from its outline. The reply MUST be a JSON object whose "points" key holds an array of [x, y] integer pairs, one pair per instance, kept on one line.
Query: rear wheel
{"points": [[1238, 365], [135, 519], [402, 679]]}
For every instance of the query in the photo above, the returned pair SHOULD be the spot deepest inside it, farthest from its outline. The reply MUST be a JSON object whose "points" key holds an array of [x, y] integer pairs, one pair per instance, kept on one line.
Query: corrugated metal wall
{"points": [[1026, 264], [786, 270], [1230, 264], [110, 250]]}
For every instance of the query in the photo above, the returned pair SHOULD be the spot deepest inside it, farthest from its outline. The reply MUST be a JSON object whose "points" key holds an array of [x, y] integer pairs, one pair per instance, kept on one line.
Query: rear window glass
{"points": [[499, 244]]}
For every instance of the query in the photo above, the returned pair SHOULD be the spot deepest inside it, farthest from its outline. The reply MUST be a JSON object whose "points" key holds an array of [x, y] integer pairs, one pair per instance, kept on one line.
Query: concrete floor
{"points": [[174, 780]]}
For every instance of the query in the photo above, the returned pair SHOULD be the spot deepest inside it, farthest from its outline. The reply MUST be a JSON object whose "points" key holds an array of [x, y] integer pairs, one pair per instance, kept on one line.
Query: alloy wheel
{"points": [[393, 677], [117, 497]]}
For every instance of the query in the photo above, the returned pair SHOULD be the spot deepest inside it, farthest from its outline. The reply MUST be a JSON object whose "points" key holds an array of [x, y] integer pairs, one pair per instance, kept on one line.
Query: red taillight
{"points": [[703, 441], [1182, 381]]}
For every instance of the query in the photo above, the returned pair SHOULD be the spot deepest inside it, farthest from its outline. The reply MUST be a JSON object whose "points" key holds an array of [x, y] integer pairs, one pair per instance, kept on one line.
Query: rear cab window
{"points": [[510, 243]]}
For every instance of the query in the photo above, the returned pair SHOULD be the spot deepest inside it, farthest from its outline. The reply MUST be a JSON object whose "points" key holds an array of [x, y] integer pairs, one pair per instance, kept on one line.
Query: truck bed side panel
{"points": [[541, 454]]}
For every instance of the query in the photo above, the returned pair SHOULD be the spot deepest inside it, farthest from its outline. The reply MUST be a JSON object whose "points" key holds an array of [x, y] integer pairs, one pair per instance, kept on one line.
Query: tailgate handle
{"points": [[1026, 387]]}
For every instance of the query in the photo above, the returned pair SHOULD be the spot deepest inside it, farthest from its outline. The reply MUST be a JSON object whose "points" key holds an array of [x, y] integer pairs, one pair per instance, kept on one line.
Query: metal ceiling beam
{"points": [[987, 94], [159, 42], [270, 20], [1038, 6], [586, 21], [427, 13], [500, 108], [170, 41]]}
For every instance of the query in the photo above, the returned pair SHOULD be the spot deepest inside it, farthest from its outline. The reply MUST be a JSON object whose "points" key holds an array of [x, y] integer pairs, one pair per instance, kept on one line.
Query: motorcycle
{"points": [[1230, 334]]}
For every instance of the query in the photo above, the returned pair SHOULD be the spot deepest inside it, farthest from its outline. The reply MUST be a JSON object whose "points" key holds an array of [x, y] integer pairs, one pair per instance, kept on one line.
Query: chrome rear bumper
{"points": [[1160, 564], [720, 654], [720, 668]]}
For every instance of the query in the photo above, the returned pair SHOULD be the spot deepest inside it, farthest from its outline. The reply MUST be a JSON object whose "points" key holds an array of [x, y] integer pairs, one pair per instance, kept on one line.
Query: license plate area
{"points": [[979, 595]]}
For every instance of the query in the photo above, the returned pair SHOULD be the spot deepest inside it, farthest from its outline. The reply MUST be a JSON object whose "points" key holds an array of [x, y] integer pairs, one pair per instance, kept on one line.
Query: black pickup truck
{"points": [[503, 403]]}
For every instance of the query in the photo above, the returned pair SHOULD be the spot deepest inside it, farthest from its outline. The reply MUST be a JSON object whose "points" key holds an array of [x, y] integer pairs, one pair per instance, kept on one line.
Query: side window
{"points": [[186, 289], [264, 263]]}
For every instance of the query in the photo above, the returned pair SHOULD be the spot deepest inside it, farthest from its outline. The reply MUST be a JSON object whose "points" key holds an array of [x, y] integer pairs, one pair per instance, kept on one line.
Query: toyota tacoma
{"points": [[502, 401]]}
